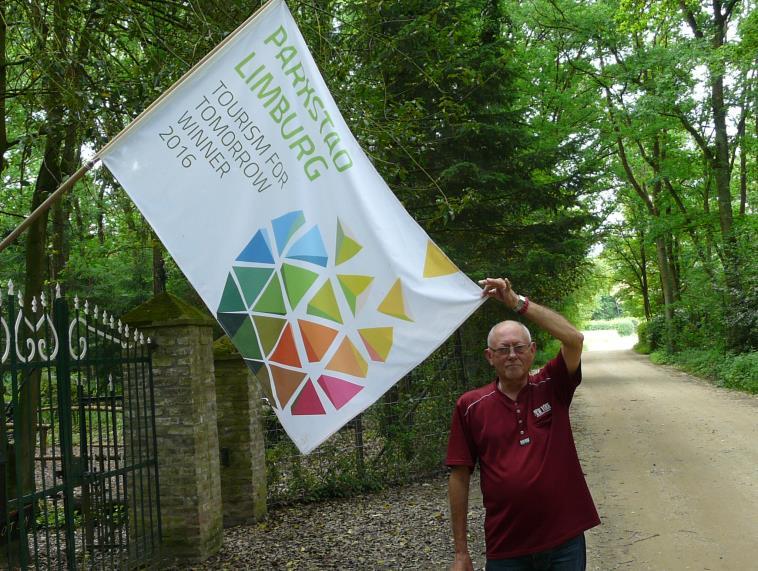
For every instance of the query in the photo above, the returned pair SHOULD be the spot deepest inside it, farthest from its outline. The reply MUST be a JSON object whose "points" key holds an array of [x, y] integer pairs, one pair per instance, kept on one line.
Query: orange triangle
{"points": [[286, 352], [286, 383], [348, 360], [316, 338]]}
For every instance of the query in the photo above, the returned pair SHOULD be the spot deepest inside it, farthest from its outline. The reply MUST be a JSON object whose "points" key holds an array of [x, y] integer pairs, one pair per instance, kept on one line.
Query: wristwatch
{"points": [[519, 304]]}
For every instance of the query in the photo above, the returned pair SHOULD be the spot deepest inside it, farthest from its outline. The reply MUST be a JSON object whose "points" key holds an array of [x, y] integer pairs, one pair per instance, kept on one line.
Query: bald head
{"points": [[508, 324]]}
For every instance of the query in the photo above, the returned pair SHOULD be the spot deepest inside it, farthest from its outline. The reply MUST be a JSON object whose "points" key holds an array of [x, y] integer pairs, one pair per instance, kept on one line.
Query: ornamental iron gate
{"points": [[78, 466]]}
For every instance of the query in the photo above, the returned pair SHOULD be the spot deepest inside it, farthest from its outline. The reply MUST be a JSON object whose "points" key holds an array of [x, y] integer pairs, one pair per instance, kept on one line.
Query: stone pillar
{"points": [[240, 437], [185, 425]]}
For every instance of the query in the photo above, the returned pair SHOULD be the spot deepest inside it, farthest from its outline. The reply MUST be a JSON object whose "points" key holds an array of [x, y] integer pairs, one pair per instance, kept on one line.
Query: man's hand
{"points": [[462, 563], [500, 289]]}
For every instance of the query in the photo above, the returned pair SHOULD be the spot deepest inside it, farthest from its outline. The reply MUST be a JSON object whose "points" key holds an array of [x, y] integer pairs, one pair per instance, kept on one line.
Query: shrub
{"points": [[643, 344], [624, 325], [726, 370]]}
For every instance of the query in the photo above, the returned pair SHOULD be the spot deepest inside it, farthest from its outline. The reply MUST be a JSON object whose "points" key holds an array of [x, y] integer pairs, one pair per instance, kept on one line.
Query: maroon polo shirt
{"points": [[535, 495]]}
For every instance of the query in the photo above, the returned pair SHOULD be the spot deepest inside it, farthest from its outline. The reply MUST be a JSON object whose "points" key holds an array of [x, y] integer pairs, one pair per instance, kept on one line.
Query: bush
{"points": [[643, 343], [726, 370], [624, 325]]}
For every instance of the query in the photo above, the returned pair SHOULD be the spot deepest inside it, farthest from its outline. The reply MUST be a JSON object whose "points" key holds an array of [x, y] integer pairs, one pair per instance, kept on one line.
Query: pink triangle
{"points": [[307, 401], [339, 392]]}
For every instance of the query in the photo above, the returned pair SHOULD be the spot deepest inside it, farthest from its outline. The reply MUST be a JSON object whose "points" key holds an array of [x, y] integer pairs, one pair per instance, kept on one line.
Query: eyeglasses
{"points": [[506, 350]]}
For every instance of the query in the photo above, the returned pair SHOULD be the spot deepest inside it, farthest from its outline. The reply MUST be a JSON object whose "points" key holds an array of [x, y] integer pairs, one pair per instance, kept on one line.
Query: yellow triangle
{"points": [[437, 263], [394, 304], [378, 342]]}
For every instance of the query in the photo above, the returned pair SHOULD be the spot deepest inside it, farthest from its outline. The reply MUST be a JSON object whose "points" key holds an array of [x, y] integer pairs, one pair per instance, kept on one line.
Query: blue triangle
{"points": [[285, 226], [257, 250], [309, 248]]}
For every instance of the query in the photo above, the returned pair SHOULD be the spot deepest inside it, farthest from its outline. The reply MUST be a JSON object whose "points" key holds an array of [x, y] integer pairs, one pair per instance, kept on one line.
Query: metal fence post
{"points": [[63, 381]]}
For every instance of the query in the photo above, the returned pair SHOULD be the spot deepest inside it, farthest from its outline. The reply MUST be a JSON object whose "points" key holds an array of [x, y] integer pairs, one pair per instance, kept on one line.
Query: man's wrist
{"points": [[522, 304]]}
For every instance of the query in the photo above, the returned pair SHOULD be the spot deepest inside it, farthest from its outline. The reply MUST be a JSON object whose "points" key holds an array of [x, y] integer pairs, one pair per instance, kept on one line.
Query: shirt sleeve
{"points": [[461, 450], [565, 384]]}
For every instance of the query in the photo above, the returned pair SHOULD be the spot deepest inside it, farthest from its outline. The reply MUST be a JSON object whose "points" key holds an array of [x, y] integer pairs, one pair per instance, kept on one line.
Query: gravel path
{"points": [[400, 528]]}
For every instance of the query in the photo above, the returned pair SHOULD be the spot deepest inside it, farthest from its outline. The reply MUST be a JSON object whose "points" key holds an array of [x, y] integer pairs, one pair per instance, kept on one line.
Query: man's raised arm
{"points": [[554, 323]]}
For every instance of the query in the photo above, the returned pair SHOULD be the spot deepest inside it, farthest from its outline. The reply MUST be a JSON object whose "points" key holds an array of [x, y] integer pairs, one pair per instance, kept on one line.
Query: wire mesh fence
{"points": [[400, 438]]}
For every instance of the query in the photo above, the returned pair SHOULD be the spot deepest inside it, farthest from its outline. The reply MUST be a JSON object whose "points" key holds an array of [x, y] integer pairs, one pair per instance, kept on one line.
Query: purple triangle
{"points": [[339, 392]]}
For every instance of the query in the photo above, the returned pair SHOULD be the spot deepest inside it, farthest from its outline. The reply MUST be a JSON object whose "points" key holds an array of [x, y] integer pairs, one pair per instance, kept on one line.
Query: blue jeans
{"points": [[569, 556]]}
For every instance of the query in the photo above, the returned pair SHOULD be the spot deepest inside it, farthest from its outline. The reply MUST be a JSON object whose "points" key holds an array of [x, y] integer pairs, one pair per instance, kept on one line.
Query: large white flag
{"points": [[255, 185]]}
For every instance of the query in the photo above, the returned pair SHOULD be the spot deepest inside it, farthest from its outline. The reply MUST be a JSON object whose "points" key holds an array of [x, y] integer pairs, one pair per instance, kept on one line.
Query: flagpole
{"points": [[70, 181]]}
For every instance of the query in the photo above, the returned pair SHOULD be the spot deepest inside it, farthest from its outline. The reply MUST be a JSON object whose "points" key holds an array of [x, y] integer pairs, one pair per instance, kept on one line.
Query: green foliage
{"points": [[643, 343], [625, 326], [608, 308], [727, 370]]}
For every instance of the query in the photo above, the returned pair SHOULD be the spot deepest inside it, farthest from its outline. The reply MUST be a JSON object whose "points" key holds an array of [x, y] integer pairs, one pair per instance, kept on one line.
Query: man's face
{"points": [[514, 363]]}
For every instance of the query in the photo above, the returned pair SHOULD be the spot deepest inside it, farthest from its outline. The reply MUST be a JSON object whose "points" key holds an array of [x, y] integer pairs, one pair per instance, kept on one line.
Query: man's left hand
{"points": [[500, 289]]}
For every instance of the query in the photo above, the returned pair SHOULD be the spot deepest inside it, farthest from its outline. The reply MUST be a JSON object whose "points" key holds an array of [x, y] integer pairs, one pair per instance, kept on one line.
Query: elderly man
{"points": [[517, 428]]}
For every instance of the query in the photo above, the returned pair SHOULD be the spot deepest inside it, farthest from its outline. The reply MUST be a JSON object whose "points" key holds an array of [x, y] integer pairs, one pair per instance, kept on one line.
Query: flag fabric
{"points": [[252, 180]]}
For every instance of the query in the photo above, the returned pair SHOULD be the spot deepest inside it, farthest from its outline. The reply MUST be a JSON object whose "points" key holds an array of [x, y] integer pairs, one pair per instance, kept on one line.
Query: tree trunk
{"points": [[159, 266]]}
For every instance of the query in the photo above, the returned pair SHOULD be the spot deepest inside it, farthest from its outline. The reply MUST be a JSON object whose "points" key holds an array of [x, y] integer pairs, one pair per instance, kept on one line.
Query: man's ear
{"points": [[488, 355]]}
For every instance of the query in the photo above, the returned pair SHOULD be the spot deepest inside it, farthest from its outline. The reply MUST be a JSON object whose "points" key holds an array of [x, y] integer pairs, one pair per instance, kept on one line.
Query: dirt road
{"points": [[672, 463]]}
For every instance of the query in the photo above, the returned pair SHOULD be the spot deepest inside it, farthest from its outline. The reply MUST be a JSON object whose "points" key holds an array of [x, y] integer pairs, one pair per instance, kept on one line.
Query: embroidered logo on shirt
{"points": [[545, 408]]}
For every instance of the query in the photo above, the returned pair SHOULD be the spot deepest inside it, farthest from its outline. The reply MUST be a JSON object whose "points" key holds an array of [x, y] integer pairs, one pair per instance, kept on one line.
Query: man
{"points": [[517, 428]]}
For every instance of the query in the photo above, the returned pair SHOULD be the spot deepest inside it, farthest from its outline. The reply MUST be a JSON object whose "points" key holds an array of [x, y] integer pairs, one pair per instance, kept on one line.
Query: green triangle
{"points": [[353, 286], [324, 304], [346, 247], [269, 329], [231, 300], [247, 342], [264, 380], [271, 300], [296, 282], [252, 281]]}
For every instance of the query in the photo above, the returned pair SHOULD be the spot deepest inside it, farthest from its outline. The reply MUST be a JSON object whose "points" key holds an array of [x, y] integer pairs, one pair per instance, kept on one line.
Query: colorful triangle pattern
{"points": [[268, 329], [394, 303], [246, 340], [324, 304], [271, 300], [285, 226], [346, 246], [437, 263], [286, 351], [251, 281], [348, 360], [231, 322], [260, 371], [297, 281], [378, 342], [286, 382], [231, 300], [307, 402], [270, 344], [257, 250], [355, 289], [339, 391], [309, 248], [317, 339]]}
